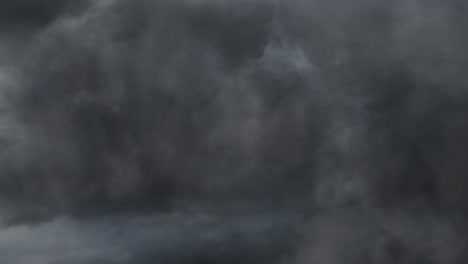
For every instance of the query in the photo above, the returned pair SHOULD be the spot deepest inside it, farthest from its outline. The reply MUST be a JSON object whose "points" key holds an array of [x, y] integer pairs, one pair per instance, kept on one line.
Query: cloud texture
{"points": [[216, 131]]}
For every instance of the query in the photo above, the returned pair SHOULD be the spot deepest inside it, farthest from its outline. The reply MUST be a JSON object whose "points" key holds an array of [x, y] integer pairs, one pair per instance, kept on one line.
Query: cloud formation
{"points": [[302, 131]]}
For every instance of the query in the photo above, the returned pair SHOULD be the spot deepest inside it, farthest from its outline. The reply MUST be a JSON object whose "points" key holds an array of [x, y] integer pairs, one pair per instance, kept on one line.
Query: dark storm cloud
{"points": [[145, 95], [245, 112], [25, 14]]}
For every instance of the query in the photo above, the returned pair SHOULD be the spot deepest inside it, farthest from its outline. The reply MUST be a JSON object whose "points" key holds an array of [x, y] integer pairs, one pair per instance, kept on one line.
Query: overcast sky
{"points": [[233, 131]]}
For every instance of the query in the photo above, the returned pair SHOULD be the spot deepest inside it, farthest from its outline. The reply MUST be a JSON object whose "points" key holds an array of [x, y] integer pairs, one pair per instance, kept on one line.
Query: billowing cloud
{"points": [[305, 131]]}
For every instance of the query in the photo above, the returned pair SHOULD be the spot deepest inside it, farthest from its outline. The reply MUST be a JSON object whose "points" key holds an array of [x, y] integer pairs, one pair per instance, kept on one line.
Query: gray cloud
{"points": [[117, 110]]}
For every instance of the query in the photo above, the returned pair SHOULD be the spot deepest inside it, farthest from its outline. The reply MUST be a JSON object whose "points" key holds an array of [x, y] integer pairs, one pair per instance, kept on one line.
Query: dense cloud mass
{"points": [[222, 131]]}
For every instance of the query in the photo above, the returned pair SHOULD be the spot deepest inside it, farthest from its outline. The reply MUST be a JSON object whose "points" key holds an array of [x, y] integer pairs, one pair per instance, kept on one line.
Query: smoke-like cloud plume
{"points": [[217, 131]]}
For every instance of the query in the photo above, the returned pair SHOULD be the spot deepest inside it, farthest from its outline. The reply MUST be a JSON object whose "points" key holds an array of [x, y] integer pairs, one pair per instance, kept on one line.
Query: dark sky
{"points": [[226, 132]]}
